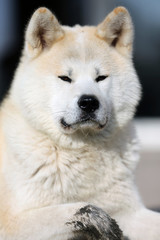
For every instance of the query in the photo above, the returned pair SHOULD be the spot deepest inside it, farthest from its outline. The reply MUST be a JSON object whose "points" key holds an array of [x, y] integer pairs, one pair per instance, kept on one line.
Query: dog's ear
{"points": [[117, 30], [42, 31]]}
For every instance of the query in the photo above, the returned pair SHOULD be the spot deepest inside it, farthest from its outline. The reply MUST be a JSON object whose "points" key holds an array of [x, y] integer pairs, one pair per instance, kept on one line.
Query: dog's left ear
{"points": [[117, 30]]}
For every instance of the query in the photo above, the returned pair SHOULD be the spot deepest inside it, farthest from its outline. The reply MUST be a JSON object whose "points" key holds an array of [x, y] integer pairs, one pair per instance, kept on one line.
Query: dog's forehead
{"points": [[81, 43], [80, 49]]}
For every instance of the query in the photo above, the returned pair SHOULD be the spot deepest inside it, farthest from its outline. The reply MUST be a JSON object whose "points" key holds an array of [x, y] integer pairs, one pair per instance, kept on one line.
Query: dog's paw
{"points": [[92, 223]]}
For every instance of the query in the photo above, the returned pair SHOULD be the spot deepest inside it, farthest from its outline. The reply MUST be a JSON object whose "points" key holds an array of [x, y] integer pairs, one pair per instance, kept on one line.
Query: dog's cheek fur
{"points": [[126, 93]]}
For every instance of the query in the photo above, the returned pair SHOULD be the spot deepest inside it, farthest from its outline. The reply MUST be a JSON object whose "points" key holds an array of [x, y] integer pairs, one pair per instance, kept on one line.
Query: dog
{"points": [[68, 147]]}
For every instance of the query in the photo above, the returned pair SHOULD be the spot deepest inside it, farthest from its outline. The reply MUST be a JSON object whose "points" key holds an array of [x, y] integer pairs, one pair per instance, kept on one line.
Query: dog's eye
{"points": [[101, 78], [65, 78]]}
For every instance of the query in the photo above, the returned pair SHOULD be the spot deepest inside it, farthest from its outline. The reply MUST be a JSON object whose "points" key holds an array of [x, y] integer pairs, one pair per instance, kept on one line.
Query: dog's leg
{"points": [[63, 222], [141, 224]]}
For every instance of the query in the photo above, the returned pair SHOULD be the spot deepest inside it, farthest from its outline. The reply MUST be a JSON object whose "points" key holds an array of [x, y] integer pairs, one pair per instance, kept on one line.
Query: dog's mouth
{"points": [[85, 120]]}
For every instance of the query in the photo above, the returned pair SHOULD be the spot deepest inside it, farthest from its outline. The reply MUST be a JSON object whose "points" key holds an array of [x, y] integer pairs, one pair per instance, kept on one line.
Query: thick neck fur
{"points": [[49, 173]]}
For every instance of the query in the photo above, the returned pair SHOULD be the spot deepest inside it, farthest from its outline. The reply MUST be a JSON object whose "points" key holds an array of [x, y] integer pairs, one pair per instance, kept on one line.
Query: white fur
{"points": [[48, 172]]}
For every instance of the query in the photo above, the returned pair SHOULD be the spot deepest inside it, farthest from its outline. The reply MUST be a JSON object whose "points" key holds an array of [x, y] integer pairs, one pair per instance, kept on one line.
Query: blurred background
{"points": [[14, 16]]}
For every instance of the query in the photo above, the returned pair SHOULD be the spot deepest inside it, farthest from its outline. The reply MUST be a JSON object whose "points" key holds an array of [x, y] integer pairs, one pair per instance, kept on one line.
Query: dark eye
{"points": [[65, 78], [101, 78]]}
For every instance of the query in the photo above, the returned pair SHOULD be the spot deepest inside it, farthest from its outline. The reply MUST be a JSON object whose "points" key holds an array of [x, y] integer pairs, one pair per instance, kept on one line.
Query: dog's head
{"points": [[77, 78]]}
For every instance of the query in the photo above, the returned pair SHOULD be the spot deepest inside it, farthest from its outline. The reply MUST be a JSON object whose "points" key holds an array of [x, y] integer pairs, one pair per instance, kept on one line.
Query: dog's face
{"points": [[81, 80], [80, 96]]}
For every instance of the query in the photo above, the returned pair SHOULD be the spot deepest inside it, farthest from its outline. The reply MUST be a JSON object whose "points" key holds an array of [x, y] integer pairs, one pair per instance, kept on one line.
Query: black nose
{"points": [[88, 103]]}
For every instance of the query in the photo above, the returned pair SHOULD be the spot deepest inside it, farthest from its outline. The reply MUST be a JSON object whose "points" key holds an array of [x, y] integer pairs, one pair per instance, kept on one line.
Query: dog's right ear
{"points": [[42, 31]]}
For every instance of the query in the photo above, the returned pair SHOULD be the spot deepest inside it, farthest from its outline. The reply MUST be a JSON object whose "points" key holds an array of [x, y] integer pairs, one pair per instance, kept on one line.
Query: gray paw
{"points": [[92, 223]]}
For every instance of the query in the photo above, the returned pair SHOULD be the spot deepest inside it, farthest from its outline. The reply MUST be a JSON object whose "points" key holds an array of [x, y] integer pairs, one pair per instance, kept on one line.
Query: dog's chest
{"points": [[63, 175]]}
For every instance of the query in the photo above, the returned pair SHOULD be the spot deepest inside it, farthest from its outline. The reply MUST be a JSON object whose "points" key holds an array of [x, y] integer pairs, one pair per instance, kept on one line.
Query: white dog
{"points": [[68, 148]]}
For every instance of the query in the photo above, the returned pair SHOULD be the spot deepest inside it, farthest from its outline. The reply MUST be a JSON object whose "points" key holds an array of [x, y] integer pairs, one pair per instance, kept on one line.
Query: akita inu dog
{"points": [[68, 148]]}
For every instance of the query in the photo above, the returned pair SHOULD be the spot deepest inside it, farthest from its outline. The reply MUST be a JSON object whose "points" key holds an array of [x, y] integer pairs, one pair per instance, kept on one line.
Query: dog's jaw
{"points": [[88, 123]]}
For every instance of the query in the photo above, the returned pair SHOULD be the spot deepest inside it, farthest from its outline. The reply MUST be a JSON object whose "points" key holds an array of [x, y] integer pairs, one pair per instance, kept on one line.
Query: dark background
{"points": [[15, 14]]}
